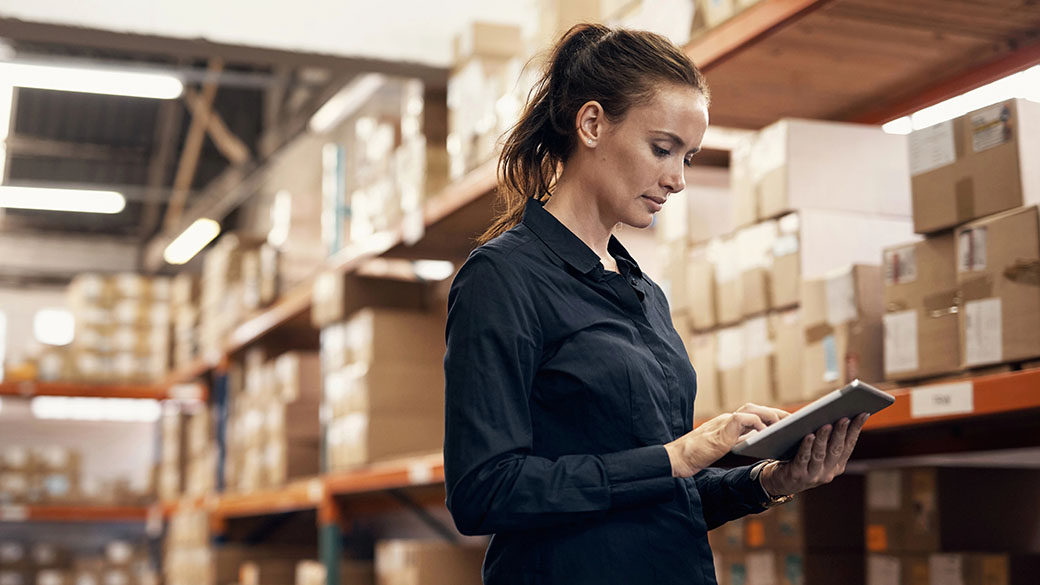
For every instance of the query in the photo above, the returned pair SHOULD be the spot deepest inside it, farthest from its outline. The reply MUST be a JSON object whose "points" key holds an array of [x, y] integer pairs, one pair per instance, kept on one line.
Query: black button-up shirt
{"points": [[563, 383]]}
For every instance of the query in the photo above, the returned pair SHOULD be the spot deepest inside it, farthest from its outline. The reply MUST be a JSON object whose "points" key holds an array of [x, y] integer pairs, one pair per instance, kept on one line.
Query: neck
{"points": [[574, 208]]}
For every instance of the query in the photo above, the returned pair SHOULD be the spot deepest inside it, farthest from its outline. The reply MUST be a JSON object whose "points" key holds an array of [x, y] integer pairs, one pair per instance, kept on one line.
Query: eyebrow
{"points": [[675, 138]]}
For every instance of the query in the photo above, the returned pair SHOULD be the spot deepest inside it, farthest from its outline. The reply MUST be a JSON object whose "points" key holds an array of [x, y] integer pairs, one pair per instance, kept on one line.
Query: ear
{"points": [[591, 122]]}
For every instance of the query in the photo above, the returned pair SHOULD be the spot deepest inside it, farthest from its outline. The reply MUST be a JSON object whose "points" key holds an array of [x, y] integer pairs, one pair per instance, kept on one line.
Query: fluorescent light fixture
{"points": [[1024, 84], [346, 101], [53, 199], [108, 409], [54, 326], [191, 241], [92, 80]]}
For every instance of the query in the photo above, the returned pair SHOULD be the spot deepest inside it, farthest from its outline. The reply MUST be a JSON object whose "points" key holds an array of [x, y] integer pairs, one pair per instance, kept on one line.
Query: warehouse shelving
{"points": [[818, 59], [31, 388], [66, 513]]}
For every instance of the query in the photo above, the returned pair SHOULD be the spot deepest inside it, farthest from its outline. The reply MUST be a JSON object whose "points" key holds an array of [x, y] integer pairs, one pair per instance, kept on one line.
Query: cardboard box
{"points": [[709, 204], [16, 577], [729, 300], [806, 164], [728, 538], [813, 242], [359, 438], [944, 568], [979, 164], [920, 321], [386, 387], [13, 555], [822, 520], [998, 274], [937, 509], [337, 297], [414, 562], [701, 349], [790, 349], [351, 572], [384, 335], [767, 567], [674, 280], [755, 261], [729, 361], [485, 39], [841, 316], [759, 362], [700, 289]]}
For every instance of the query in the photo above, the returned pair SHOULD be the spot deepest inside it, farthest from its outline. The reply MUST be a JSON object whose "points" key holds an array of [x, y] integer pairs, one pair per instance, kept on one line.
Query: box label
{"points": [[971, 250], [761, 568], [877, 538], [830, 359], [942, 400], [884, 490], [841, 298], [785, 245], [901, 341], [883, 570], [730, 349], [983, 332], [901, 265], [931, 148], [946, 569], [14, 513], [991, 127], [756, 338]]}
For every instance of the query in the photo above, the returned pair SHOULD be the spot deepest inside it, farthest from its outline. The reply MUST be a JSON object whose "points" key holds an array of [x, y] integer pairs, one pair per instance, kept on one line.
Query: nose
{"points": [[675, 180]]}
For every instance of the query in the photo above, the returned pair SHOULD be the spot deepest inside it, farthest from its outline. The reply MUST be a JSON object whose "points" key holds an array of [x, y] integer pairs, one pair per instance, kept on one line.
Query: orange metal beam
{"points": [[74, 389], [74, 513], [745, 29], [954, 85], [304, 494], [420, 471]]}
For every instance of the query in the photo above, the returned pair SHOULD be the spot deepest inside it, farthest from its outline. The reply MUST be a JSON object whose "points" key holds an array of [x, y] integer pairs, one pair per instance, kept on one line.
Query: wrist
{"points": [[768, 480], [675, 457]]}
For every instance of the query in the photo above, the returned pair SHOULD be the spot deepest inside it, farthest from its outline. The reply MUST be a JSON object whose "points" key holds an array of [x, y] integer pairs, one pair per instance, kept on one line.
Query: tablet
{"points": [[781, 439]]}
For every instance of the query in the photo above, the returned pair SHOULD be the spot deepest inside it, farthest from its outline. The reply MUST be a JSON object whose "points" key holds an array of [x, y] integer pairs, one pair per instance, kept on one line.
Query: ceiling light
{"points": [[52, 199], [191, 241], [1024, 84], [433, 269], [92, 80]]}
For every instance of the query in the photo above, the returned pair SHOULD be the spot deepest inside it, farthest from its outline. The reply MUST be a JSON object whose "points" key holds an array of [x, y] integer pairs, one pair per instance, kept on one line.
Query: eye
{"points": [[660, 152], [689, 161]]}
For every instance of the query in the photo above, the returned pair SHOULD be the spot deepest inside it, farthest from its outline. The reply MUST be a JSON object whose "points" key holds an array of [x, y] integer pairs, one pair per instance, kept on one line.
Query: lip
{"points": [[655, 202]]}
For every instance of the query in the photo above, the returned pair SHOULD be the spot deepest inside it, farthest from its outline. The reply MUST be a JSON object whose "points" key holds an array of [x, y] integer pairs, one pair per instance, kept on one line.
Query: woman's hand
{"points": [[821, 457], [705, 444]]}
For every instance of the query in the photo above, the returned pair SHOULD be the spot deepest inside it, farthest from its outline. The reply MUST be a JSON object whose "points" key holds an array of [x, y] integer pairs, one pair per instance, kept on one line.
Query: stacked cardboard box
{"points": [[926, 526], [408, 562], [384, 386], [815, 538], [841, 319], [808, 199], [41, 474], [222, 302], [486, 92], [43, 563], [184, 311], [920, 320], [274, 431], [200, 466], [170, 469], [975, 174], [121, 328]]}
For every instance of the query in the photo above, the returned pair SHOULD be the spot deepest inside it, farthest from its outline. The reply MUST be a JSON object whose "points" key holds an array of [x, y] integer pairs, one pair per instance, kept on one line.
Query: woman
{"points": [[569, 393]]}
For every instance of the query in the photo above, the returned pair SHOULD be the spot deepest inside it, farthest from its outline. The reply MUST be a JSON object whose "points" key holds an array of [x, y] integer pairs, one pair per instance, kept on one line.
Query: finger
{"points": [[819, 451], [836, 445], [852, 436], [748, 422], [804, 455], [768, 415]]}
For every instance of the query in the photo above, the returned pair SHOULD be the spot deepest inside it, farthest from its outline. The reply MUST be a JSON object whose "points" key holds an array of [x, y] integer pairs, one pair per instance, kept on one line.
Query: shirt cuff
{"points": [[639, 476]]}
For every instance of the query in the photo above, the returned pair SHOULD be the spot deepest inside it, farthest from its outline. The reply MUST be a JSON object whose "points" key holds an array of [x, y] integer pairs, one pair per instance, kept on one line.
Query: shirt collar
{"points": [[568, 246]]}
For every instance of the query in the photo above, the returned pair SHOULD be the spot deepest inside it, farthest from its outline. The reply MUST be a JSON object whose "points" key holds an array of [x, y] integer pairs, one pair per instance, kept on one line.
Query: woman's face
{"points": [[640, 161]]}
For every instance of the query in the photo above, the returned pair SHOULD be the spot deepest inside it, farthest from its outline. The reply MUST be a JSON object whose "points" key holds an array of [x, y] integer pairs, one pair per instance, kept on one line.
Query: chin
{"points": [[641, 221]]}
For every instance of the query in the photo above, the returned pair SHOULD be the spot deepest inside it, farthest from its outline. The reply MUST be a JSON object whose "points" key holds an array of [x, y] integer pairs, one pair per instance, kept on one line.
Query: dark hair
{"points": [[616, 67]]}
